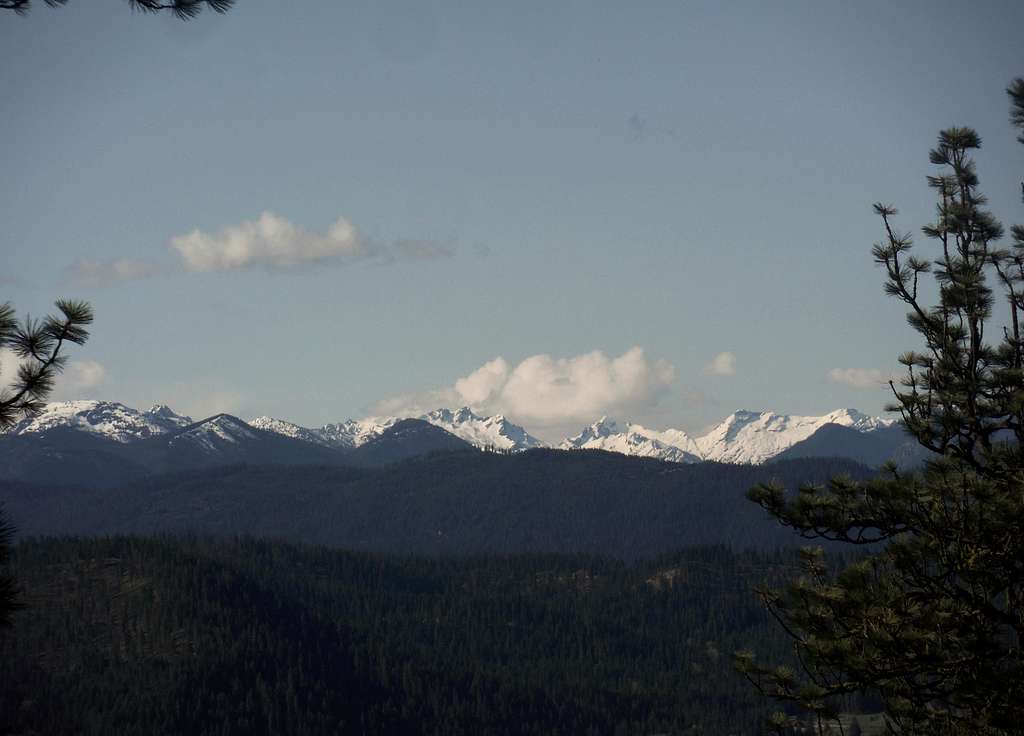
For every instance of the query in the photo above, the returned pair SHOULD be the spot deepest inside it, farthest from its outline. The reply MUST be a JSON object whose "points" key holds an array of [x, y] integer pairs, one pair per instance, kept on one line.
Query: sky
{"points": [[555, 211]]}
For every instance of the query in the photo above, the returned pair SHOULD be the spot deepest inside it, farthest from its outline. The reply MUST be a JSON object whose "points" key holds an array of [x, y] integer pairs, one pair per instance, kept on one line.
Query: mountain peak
{"points": [[672, 445], [162, 410], [495, 432], [215, 431], [602, 428], [108, 419]]}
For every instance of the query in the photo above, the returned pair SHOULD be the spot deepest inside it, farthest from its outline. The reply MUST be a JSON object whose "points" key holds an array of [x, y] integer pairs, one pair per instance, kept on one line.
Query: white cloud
{"points": [[858, 377], [96, 274], [484, 383], [269, 241], [546, 391], [9, 363], [79, 378], [723, 364]]}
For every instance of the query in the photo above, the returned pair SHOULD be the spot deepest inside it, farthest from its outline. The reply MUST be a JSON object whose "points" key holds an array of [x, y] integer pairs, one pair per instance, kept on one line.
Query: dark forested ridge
{"points": [[68, 455], [448, 503], [193, 636]]}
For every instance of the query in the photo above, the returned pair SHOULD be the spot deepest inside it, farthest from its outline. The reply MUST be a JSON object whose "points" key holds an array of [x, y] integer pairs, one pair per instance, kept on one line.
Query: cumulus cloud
{"points": [[723, 364], [547, 391], [82, 375], [269, 241], [484, 383], [78, 380], [858, 377], [92, 273]]}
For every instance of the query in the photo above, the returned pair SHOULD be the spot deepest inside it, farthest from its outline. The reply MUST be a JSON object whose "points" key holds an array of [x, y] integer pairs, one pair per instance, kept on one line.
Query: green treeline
{"points": [[194, 636]]}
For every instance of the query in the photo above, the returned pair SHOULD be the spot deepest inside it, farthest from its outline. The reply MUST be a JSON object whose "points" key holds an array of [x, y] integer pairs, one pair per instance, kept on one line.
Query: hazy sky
{"points": [[316, 210]]}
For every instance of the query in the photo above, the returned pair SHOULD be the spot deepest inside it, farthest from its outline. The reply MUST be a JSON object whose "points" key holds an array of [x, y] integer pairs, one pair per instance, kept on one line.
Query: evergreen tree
{"points": [[9, 602], [38, 345], [183, 9], [931, 618]]}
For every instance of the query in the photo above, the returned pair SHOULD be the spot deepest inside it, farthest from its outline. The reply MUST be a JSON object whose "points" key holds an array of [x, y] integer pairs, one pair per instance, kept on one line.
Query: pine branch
{"points": [[39, 345], [183, 9]]}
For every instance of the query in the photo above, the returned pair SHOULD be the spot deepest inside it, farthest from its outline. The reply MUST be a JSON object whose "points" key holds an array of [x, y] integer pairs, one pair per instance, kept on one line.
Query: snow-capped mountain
{"points": [[104, 418], [744, 437], [225, 440], [494, 432], [211, 435], [406, 439], [672, 445], [754, 437], [287, 429], [355, 432], [349, 434]]}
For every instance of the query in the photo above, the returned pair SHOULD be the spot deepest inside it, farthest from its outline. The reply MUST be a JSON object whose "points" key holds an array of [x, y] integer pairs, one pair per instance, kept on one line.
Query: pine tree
{"points": [[38, 345], [930, 618]]}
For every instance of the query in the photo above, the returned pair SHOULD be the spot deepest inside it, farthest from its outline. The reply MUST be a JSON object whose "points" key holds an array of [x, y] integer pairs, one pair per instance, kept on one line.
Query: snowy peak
{"points": [[349, 434], [164, 413], [107, 419], [494, 432], [354, 432], [754, 437], [857, 420], [215, 433], [672, 445], [745, 437], [287, 429], [599, 430]]}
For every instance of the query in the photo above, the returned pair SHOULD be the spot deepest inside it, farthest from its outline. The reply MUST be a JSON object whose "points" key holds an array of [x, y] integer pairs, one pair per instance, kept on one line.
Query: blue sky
{"points": [[552, 186]]}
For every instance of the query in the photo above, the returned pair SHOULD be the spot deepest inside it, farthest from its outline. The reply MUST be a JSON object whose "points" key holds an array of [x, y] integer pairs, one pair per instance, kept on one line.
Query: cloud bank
{"points": [[723, 364], [80, 377], [862, 378], [269, 241], [546, 391]]}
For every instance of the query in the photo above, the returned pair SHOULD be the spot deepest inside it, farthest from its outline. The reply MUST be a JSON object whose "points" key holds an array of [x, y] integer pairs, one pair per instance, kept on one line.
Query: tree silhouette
{"points": [[38, 345], [183, 9], [931, 618]]}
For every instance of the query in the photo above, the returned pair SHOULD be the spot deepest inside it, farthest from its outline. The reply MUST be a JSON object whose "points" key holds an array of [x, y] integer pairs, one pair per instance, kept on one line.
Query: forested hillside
{"points": [[191, 636], [449, 503]]}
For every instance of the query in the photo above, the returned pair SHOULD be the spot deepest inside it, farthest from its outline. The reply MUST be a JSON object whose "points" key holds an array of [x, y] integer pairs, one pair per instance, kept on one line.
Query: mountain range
{"points": [[414, 485], [161, 438]]}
